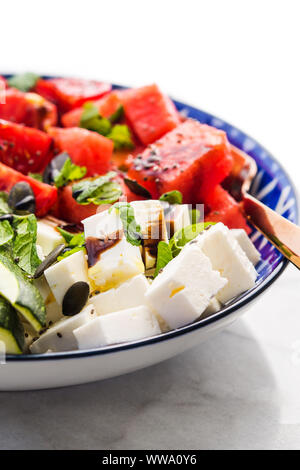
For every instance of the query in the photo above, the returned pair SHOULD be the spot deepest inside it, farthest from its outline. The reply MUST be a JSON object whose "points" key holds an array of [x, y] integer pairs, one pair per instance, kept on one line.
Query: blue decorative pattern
{"points": [[271, 185]]}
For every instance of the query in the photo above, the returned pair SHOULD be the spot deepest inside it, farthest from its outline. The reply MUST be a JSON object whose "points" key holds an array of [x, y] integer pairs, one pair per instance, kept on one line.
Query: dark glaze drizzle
{"points": [[154, 236], [96, 246]]}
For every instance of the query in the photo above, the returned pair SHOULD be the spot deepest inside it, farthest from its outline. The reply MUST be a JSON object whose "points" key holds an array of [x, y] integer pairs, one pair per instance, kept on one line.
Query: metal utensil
{"points": [[282, 233]]}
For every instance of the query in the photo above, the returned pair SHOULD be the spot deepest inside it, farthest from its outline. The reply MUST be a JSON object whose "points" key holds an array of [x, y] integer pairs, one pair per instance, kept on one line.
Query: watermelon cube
{"points": [[221, 207], [86, 148], [190, 157], [150, 113]]}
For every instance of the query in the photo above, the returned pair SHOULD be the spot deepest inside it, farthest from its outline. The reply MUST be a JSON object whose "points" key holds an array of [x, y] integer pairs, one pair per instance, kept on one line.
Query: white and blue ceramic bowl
{"points": [[273, 187]]}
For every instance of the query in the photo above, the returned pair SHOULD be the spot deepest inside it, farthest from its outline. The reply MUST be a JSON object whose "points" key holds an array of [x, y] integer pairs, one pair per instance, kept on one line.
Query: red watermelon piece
{"points": [[221, 207], [23, 148], [69, 93], [29, 109], [190, 157], [86, 148], [45, 195], [150, 113]]}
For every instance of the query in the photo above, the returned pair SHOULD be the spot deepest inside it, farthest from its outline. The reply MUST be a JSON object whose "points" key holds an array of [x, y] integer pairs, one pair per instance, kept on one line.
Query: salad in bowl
{"points": [[119, 219]]}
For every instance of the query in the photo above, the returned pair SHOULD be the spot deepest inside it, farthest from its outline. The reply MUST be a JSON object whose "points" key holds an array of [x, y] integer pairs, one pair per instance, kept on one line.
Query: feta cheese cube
{"points": [[112, 259], [150, 216], [246, 244], [182, 291], [60, 336], [127, 295], [213, 307], [47, 236], [177, 216], [53, 312], [65, 273], [229, 259], [118, 327]]}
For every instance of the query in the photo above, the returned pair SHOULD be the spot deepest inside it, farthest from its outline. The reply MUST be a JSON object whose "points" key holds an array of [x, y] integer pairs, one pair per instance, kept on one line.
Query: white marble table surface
{"points": [[241, 390]]}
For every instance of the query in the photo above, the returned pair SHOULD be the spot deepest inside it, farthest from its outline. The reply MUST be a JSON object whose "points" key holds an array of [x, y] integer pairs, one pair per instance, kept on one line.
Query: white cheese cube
{"points": [[182, 291], [60, 336], [246, 244], [48, 237], [177, 216], [213, 307], [150, 216], [118, 327], [65, 273], [127, 295], [53, 312], [112, 259], [229, 259]]}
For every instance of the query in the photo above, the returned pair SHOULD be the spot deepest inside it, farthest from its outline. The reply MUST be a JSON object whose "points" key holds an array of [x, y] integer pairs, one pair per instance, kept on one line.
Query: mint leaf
{"points": [[97, 191], [131, 229], [172, 197], [74, 243], [121, 137], [117, 115], [91, 120], [164, 256], [24, 81], [185, 235], [69, 172], [6, 232], [24, 243], [70, 252]]}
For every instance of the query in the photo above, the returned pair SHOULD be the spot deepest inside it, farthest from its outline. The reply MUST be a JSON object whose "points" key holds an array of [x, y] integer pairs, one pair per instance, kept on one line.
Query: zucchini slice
{"points": [[11, 329], [21, 292]]}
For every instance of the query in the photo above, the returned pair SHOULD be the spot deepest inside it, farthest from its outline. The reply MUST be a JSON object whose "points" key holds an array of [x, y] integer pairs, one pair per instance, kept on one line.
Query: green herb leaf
{"points": [[24, 243], [64, 233], [91, 120], [131, 229], [185, 235], [97, 191], [69, 172], [6, 232], [121, 137], [70, 252], [117, 115], [24, 81], [36, 176], [172, 197], [4, 207], [74, 243], [137, 189], [164, 256]]}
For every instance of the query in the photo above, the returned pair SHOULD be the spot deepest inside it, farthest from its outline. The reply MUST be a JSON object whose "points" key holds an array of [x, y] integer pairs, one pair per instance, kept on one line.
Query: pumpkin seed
{"points": [[49, 260], [8, 217], [21, 198], [137, 189], [75, 298]]}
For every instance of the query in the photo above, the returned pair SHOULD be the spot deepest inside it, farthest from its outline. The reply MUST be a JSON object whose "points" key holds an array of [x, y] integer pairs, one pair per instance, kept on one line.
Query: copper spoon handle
{"points": [[282, 233]]}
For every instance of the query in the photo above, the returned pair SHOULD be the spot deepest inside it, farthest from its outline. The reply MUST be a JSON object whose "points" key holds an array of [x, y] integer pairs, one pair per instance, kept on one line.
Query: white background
{"points": [[239, 60], [236, 59]]}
